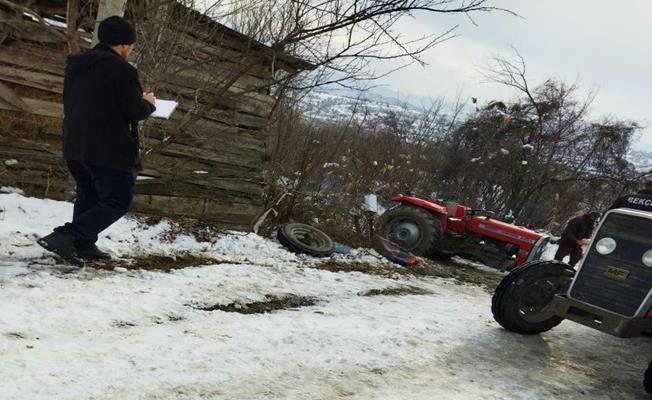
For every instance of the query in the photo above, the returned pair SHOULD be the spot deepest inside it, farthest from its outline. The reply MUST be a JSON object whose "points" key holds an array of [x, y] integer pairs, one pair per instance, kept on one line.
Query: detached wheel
{"points": [[302, 238], [647, 379], [522, 300], [414, 229]]}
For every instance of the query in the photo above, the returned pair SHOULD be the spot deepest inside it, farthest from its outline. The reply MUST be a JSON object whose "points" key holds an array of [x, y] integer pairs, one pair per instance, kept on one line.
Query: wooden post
{"points": [[72, 13], [107, 8]]}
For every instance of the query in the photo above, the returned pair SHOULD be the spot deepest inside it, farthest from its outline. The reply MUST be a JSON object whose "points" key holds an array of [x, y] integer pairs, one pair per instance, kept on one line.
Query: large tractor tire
{"points": [[522, 301], [414, 229], [302, 238], [647, 379]]}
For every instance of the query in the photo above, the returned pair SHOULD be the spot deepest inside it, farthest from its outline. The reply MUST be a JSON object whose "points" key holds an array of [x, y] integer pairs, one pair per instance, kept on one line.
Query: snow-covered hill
{"points": [[338, 105], [641, 159], [334, 105]]}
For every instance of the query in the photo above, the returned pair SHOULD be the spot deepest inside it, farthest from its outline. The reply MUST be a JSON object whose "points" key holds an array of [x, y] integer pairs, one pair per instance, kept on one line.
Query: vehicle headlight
{"points": [[647, 258], [607, 245]]}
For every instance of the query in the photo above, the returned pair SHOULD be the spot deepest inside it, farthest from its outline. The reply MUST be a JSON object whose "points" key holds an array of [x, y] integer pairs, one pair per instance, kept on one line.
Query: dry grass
{"points": [[462, 273], [397, 291], [272, 303], [158, 263]]}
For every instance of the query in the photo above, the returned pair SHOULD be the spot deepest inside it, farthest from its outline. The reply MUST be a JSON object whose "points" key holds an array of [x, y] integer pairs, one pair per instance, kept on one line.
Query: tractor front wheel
{"points": [[412, 228], [522, 301]]}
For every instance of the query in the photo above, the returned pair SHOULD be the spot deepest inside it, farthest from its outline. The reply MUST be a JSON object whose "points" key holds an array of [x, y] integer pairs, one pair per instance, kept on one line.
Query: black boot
{"points": [[62, 244], [90, 252]]}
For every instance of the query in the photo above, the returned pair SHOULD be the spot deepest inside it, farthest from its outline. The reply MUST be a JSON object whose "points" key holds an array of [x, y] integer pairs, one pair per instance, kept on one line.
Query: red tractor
{"points": [[610, 290], [435, 229]]}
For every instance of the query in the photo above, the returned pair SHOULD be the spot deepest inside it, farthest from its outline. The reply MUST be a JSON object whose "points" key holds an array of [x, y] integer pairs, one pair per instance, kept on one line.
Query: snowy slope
{"points": [[641, 159], [330, 105], [144, 335]]}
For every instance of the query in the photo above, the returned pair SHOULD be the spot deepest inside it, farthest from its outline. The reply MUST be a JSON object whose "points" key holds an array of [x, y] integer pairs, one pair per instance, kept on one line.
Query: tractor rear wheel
{"points": [[414, 229], [647, 379], [522, 301]]}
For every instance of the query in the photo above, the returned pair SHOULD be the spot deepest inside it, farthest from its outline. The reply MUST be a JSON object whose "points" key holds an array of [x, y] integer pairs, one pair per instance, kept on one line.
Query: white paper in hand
{"points": [[164, 108]]}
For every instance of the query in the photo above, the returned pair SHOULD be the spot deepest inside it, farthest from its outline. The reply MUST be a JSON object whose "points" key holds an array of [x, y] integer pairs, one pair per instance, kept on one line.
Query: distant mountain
{"points": [[642, 160], [338, 104], [330, 105]]}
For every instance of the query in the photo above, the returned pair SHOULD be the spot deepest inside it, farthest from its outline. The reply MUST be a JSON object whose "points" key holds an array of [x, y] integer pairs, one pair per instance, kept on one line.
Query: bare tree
{"points": [[344, 36], [541, 146]]}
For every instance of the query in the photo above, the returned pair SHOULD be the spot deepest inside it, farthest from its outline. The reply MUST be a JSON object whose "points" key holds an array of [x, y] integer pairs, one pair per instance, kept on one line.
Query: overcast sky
{"points": [[602, 45]]}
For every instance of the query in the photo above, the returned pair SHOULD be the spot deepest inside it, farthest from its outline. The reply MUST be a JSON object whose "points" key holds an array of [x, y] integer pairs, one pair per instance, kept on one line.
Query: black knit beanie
{"points": [[116, 30]]}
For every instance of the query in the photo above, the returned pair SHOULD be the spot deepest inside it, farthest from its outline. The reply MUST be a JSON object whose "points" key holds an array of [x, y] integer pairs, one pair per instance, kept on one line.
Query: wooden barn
{"points": [[205, 162]]}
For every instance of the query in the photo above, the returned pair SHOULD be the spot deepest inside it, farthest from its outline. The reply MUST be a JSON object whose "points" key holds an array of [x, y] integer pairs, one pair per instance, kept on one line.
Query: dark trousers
{"points": [[103, 197], [565, 249]]}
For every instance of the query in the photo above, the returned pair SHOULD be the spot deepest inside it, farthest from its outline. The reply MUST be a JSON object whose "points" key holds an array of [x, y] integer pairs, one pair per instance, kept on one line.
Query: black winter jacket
{"points": [[578, 228], [102, 104]]}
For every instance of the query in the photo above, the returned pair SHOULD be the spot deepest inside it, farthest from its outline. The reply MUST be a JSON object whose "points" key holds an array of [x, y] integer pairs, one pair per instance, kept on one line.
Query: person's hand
{"points": [[583, 242], [149, 96]]}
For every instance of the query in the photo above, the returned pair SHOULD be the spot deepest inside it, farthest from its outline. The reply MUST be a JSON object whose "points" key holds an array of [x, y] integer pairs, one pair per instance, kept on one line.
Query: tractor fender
{"points": [[439, 211], [419, 202]]}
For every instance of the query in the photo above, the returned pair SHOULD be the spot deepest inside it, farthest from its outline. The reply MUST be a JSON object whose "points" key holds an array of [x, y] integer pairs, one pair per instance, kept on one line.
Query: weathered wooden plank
{"points": [[28, 144], [38, 107], [193, 208], [37, 167], [253, 161], [236, 186], [213, 82], [34, 32], [49, 181], [215, 144], [21, 155], [9, 97], [216, 138], [169, 187], [187, 90], [40, 80], [45, 108], [161, 165], [219, 144], [34, 58]]}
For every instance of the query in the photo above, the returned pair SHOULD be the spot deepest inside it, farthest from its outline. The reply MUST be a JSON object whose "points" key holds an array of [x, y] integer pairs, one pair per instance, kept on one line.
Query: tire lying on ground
{"points": [[302, 238], [522, 301]]}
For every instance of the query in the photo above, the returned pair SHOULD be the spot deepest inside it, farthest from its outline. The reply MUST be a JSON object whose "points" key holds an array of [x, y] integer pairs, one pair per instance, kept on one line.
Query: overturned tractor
{"points": [[431, 228]]}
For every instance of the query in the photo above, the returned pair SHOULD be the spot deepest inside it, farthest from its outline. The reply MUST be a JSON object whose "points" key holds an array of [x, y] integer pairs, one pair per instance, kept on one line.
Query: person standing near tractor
{"points": [[103, 103], [576, 234]]}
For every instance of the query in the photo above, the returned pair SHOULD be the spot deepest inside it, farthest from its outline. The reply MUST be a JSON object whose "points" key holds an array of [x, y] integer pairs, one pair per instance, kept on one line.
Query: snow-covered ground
{"points": [[134, 334]]}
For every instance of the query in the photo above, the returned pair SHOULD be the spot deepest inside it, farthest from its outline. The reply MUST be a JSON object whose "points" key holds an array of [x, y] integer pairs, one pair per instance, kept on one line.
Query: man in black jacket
{"points": [[576, 234], [103, 101], [641, 200]]}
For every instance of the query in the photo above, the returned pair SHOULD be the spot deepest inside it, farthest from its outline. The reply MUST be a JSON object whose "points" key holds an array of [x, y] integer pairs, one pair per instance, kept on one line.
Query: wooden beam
{"points": [[8, 96], [72, 13]]}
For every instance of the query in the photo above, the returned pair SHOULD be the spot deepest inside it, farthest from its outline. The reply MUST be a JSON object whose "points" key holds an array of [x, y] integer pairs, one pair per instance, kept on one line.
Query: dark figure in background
{"points": [[641, 200], [103, 102], [576, 234]]}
